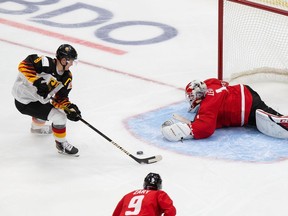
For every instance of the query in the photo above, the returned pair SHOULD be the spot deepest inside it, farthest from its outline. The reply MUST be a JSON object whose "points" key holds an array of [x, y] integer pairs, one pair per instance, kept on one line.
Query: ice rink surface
{"points": [[135, 58]]}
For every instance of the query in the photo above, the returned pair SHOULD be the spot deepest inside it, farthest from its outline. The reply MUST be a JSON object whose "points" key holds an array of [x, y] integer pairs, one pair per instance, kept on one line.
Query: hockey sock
{"points": [[37, 123], [59, 132]]}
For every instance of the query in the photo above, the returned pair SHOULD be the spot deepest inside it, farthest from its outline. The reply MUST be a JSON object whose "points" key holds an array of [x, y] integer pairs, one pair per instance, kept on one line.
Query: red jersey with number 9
{"points": [[145, 203], [223, 106]]}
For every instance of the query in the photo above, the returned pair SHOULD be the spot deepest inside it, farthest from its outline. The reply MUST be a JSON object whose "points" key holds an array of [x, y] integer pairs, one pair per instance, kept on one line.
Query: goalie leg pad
{"points": [[272, 125], [175, 131]]}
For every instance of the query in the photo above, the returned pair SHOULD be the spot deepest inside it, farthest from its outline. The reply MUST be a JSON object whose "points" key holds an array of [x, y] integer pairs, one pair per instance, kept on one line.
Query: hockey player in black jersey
{"points": [[39, 79]]}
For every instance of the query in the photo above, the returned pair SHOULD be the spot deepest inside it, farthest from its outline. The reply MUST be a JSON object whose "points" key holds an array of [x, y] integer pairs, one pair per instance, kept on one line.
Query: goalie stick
{"points": [[149, 160], [181, 118]]}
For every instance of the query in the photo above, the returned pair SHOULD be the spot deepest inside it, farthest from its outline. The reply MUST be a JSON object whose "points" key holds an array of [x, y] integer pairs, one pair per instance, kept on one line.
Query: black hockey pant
{"points": [[34, 109], [257, 103]]}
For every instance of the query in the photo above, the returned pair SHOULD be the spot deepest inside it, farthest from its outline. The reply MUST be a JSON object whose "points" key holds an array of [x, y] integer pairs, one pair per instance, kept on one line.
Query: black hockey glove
{"points": [[73, 113], [42, 88]]}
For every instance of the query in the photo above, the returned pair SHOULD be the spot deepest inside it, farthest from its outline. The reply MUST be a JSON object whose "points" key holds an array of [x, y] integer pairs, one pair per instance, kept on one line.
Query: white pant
{"points": [[57, 117]]}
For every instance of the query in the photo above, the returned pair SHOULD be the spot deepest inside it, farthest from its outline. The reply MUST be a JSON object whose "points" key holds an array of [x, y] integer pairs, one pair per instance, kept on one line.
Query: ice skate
{"points": [[42, 130], [66, 148]]}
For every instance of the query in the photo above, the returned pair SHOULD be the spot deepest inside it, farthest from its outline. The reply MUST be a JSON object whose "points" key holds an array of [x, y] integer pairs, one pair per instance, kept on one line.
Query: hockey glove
{"points": [[176, 131], [42, 88], [72, 112]]}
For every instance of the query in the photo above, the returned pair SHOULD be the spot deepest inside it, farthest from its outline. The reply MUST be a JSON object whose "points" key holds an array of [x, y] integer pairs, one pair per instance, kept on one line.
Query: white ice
{"points": [[37, 181]]}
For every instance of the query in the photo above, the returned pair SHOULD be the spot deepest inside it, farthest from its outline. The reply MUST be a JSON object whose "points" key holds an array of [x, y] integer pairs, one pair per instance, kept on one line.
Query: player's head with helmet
{"points": [[195, 92], [66, 51], [152, 181]]}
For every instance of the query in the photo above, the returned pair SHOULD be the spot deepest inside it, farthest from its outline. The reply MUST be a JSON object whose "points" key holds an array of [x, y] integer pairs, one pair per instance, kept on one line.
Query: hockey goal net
{"points": [[253, 40]]}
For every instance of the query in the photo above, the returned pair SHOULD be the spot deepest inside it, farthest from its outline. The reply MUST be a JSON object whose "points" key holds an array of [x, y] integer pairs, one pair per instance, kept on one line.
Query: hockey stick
{"points": [[148, 160], [181, 118]]}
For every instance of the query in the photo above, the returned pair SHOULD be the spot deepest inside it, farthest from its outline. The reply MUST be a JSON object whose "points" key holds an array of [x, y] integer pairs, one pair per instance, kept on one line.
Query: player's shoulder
{"points": [[162, 194], [67, 74], [36, 58], [215, 81], [31, 57]]}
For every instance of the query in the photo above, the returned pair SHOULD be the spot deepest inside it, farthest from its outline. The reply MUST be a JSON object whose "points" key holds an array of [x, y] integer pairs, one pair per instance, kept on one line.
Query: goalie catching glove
{"points": [[73, 113], [176, 131]]}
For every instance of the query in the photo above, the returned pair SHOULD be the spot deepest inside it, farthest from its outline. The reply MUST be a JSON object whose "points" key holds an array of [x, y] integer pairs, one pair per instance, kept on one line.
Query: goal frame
{"points": [[221, 25]]}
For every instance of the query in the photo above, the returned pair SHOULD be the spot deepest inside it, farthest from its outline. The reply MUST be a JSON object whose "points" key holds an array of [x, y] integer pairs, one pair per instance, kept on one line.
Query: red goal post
{"points": [[253, 39]]}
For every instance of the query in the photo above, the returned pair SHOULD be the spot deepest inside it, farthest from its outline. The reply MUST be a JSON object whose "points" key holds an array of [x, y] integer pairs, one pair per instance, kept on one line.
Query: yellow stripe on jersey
{"points": [[28, 71]]}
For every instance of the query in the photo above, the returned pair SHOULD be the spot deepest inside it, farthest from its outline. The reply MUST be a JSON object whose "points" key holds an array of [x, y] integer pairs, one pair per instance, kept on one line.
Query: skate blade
{"points": [[70, 155]]}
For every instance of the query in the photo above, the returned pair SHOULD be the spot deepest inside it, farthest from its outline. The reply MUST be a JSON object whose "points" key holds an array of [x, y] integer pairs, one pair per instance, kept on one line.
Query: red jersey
{"points": [[223, 106], [145, 203]]}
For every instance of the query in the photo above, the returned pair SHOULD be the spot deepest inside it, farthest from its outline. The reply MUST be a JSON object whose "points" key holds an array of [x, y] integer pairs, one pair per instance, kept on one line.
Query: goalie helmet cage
{"points": [[253, 40]]}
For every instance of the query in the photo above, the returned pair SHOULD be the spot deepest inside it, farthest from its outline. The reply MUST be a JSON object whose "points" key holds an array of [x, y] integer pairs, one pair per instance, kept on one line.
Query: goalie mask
{"points": [[195, 92]]}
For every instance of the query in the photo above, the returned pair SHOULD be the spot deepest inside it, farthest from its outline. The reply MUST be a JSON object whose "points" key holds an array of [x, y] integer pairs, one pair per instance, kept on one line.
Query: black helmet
{"points": [[152, 181], [66, 51]]}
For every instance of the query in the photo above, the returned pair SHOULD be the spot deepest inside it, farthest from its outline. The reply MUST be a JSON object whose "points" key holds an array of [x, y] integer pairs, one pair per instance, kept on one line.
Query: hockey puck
{"points": [[139, 152]]}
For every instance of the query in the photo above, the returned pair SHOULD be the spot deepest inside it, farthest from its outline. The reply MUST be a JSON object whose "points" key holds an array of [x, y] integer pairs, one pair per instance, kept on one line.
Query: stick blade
{"points": [[154, 159], [148, 160]]}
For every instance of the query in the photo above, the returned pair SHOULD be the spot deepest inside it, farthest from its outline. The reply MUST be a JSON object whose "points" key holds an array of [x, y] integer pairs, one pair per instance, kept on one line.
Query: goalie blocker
{"points": [[272, 125]]}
